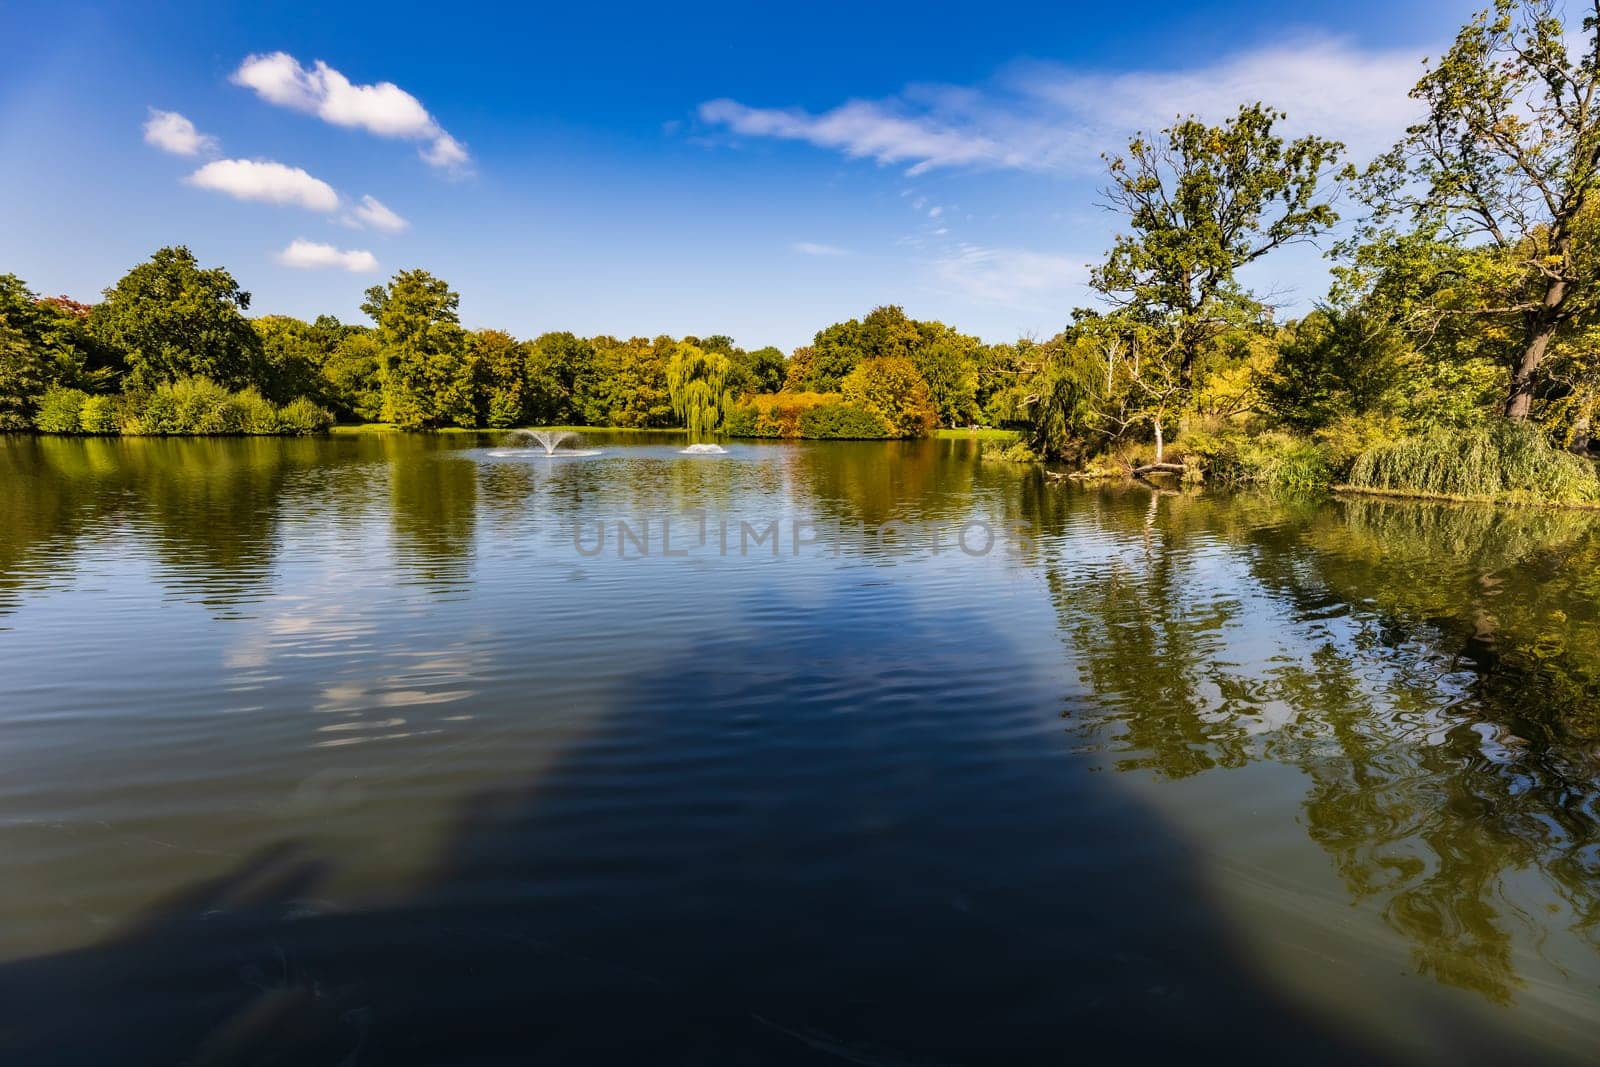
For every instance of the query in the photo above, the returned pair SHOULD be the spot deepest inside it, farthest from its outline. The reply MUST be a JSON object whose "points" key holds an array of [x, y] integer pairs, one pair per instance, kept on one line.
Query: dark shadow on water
{"points": [[822, 860]]}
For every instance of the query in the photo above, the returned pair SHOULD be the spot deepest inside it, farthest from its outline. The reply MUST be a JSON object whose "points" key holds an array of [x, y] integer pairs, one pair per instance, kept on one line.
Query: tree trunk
{"points": [[1520, 400], [1161, 444], [1542, 326]]}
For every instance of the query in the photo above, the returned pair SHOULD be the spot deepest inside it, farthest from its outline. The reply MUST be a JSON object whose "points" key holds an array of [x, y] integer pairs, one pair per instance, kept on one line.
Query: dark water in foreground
{"points": [[342, 752]]}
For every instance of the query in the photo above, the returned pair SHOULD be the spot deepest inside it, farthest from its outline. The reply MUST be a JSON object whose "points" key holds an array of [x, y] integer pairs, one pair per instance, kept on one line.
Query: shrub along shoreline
{"points": [[187, 407]]}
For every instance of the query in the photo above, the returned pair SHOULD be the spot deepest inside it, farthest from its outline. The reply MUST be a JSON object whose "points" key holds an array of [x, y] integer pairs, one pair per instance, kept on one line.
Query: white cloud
{"points": [[860, 129], [372, 212], [266, 181], [812, 248], [309, 255], [382, 108], [1054, 118], [446, 152], [171, 132], [1012, 277]]}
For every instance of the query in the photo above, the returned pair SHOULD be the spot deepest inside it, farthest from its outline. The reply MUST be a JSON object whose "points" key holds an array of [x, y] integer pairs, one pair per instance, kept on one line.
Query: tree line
{"points": [[172, 333]]}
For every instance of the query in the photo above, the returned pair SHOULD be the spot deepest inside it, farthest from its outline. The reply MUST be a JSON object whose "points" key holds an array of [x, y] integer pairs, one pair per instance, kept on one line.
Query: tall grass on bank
{"points": [[1504, 461]]}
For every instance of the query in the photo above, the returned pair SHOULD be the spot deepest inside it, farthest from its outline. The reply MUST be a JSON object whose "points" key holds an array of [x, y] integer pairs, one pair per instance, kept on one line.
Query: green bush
{"points": [[59, 410], [257, 414], [740, 421], [99, 414], [203, 407], [198, 406], [153, 413], [821, 416], [1276, 461], [1004, 450], [301, 416], [1498, 460], [841, 422]]}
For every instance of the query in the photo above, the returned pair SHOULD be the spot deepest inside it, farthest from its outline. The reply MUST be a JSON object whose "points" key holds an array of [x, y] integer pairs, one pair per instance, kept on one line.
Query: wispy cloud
{"points": [[372, 212], [382, 108], [309, 255], [1011, 277], [812, 248], [171, 132], [267, 182], [863, 129], [1054, 118]]}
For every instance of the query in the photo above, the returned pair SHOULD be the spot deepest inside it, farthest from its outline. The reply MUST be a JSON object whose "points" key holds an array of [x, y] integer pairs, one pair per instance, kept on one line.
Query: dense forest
{"points": [[1455, 353]]}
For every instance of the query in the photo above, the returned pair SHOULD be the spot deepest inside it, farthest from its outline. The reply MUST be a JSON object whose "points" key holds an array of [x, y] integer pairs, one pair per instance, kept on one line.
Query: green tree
{"points": [[175, 319], [1067, 394], [1335, 363], [760, 371], [799, 370], [948, 362], [1504, 163], [426, 368], [24, 378], [630, 385], [999, 373], [561, 381], [836, 350], [292, 356], [763, 369], [352, 375], [43, 344], [890, 388], [501, 362], [833, 353], [1202, 202], [697, 381]]}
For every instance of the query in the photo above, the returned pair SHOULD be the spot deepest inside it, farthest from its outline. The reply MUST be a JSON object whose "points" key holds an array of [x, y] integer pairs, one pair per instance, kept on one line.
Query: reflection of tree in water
{"points": [[873, 482], [433, 503], [1448, 725], [208, 509], [1396, 802], [1178, 720]]}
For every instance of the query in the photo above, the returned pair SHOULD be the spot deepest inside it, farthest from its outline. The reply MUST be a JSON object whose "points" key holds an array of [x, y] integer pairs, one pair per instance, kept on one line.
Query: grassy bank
{"points": [[985, 434]]}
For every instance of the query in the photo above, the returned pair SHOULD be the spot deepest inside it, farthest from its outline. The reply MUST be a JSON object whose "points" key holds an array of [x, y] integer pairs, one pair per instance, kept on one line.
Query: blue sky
{"points": [[641, 169]]}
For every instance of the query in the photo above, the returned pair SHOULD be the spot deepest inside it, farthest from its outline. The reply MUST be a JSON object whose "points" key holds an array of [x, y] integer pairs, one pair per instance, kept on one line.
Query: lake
{"points": [[388, 748]]}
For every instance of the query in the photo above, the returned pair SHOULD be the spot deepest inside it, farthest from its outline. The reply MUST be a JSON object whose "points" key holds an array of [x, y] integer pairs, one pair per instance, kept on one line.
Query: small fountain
{"points": [[551, 439], [703, 450], [519, 444]]}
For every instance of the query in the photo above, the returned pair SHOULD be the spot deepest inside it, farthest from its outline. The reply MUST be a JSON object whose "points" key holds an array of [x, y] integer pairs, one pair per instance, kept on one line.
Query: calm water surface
{"points": [[368, 750]]}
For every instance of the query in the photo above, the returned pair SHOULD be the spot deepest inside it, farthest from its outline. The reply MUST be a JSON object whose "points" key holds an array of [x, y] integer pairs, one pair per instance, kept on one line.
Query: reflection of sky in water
{"points": [[1366, 726]]}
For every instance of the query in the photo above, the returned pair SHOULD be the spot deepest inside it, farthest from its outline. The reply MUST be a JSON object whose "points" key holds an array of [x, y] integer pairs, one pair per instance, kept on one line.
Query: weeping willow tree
{"points": [[697, 381]]}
